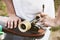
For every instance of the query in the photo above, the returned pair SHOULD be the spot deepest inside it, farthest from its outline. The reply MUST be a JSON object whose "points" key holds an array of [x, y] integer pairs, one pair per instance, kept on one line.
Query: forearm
{"points": [[10, 7]]}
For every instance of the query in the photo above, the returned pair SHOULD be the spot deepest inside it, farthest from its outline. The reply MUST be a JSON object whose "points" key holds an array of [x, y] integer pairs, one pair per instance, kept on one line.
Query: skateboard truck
{"points": [[31, 26]]}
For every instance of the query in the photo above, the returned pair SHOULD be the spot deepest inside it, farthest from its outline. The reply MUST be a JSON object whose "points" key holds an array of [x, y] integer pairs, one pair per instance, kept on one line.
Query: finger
{"points": [[45, 24], [19, 21], [43, 14], [12, 23], [42, 19], [15, 23], [9, 24], [6, 24]]}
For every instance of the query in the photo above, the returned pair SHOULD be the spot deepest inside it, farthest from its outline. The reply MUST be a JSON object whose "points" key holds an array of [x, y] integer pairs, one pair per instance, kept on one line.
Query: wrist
{"points": [[11, 15]]}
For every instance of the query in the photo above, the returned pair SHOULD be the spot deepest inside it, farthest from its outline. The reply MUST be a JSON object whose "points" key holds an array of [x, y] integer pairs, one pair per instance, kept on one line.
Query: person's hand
{"points": [[46, 20], [12, 22]]}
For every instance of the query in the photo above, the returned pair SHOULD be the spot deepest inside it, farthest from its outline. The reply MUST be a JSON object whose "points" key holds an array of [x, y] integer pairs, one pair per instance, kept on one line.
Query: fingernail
{"points": [[11, 27], [8, 26], [15, 27]]}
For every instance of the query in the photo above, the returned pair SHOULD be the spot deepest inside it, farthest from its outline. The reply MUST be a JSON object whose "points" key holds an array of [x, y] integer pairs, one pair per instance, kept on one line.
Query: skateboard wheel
{"points": [[24, 26]]}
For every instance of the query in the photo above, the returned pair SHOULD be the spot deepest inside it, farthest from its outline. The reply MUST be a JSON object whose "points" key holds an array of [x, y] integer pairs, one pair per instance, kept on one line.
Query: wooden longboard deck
{"points": [[26, 34]]}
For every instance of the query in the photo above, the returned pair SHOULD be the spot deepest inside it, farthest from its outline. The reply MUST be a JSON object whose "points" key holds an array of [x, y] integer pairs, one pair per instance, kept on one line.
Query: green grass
{"points": [[2, 6], [57, 3], [2, 9], [55, 28]]}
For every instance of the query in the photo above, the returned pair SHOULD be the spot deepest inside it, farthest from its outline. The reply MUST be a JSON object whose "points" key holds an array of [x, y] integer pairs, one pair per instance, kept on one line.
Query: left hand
{"points": [[47, 21]]}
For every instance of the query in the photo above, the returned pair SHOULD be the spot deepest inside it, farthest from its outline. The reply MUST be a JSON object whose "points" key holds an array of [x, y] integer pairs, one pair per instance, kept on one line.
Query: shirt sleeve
{"points": [[49, 8]]}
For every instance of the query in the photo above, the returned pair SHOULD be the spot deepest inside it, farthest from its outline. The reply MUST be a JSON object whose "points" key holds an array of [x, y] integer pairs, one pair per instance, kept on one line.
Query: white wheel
{"points": [[24, 26]]}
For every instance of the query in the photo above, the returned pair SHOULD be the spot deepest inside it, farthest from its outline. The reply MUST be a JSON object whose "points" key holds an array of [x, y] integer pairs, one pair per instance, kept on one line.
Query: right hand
{"points": [[13, 22]]}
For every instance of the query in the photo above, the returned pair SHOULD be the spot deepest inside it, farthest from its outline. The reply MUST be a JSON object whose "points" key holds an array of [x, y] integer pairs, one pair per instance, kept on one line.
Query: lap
{"points": [[14, 37]]}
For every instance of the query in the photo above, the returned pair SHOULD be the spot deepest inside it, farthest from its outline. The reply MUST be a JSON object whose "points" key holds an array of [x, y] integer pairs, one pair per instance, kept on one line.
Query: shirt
{"points": [[27, 9]]}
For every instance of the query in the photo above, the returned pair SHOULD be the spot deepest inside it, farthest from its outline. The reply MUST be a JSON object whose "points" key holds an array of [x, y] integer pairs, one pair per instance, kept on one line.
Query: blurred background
{"points": [[3, 10], [54, 35]]}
